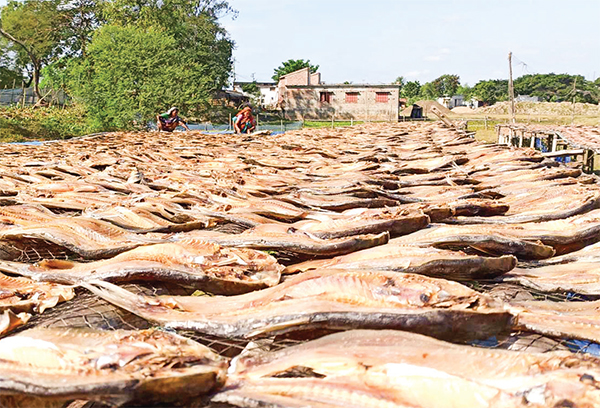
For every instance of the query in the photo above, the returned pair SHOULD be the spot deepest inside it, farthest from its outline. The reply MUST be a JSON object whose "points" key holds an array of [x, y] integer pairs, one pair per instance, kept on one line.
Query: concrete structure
{"points": [[452, 101], [302, 95], [269, 93]]}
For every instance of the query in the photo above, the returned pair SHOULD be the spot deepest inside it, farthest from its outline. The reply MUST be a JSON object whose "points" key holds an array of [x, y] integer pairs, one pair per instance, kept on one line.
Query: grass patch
{"points": [[27, 124]]}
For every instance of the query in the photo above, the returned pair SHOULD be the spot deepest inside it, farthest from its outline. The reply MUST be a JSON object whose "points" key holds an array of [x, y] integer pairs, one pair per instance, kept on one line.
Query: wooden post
{"points": [[230, 124], [554, 142], [23, 101], [257, 116], [532, 142], [282, 125], [573, 103], [351, 121], [511, 89], [332, 118], [521, 138], [484, 122]]}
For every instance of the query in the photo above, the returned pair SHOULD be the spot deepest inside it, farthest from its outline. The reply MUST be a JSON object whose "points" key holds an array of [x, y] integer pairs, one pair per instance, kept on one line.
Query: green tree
{"points": [[79, 20], [251, 88], [411, 90], [130, 72], [34, 34], [465, 90], [556, 87], [291, 66], [192, 23], [429, 91], [446, 85], [491, 91], [9, 77]]}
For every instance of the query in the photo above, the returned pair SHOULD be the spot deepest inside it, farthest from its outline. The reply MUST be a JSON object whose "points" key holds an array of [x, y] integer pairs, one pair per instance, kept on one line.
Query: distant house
{"points": [[302, 95], [269, 93], [527, 98], [451, 102], [230, 98]]}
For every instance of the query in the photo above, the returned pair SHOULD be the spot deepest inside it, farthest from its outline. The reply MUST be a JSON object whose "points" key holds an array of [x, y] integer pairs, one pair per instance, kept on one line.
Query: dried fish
{"points": [[204, 265], [427, 261], [364, 368], [110, 366], [330, 299]]}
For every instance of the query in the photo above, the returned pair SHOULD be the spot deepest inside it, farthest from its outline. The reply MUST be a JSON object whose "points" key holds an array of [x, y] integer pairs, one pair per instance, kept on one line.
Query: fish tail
{"points": [[117, 296]]}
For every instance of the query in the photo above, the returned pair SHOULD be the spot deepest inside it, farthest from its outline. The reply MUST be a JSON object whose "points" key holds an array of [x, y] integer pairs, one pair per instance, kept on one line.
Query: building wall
{"points": [[300, 77], [315, 79], [269, 96], [304, 103]]}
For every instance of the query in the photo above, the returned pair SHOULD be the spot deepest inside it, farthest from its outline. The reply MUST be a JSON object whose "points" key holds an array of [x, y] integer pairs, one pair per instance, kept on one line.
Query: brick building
{"points": [[302, 95]]}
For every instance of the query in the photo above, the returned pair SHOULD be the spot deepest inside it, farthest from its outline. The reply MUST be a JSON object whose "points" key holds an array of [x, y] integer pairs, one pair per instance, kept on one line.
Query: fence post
{"points": [[351, 121], [485, 124], [332, 117], [257, 118], [282, 125], [229, 124]]}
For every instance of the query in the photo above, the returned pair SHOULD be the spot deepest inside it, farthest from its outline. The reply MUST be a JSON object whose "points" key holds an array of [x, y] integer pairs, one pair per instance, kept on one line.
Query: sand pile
{"points": [[542, 108], [462, 110]]}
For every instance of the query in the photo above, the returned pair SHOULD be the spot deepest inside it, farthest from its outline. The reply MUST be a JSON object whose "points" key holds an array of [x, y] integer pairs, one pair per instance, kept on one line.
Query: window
{"points": [[382, 97], [325, 97], [351, 97]]}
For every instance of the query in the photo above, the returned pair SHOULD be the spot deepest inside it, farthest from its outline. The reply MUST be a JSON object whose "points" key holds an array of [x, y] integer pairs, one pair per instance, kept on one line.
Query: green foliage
{"points": [[445, 85], [411, 90], [557, 87], [251, 88], [34, 34], [194, 26], [79, 19], [9, 77], [465, 90], [130, 73], [429, 91], [291, 66], [21, 124], [491, 91]]}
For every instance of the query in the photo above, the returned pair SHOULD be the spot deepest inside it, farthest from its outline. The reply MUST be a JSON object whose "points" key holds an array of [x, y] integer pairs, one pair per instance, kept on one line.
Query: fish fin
{"points": [[280, 326], [117, 296]]}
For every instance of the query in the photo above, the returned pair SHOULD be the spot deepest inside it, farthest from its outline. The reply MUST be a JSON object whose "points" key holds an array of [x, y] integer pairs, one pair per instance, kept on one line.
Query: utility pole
{"points": [[573, 103], [511, 89]]}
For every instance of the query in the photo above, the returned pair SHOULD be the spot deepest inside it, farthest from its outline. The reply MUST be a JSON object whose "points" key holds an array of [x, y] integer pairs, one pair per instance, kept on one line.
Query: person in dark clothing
{"points": [[168, 121]]}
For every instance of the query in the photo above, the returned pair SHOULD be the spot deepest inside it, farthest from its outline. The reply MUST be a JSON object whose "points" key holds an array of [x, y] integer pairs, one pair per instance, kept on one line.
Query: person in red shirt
{"points": [[244, 122]]}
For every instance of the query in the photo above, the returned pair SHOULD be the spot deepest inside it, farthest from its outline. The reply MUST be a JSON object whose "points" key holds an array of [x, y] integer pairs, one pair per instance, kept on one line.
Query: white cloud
{"points": [[416, 73], [433, 58]]}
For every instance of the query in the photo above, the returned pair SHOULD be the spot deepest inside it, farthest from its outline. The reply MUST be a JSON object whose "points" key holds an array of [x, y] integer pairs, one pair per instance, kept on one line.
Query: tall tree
{"points": [[491, 91], [446, 85], [130, 72], [192, 23], [429, 91], [411, 90], [292, 65], [31, 30]]}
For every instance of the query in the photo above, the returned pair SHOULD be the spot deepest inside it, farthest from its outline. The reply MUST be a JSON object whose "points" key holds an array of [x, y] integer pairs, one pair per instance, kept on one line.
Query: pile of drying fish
{"points": [[360, 267]]}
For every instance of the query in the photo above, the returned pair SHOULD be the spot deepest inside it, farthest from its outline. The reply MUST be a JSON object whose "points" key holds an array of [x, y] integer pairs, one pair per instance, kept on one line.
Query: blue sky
{"points": [[378, 40], [375, 41]]}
